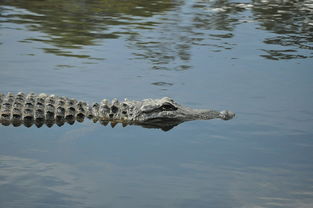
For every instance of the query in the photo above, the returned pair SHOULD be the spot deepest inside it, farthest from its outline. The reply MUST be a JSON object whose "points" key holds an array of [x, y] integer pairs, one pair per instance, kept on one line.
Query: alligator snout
{"points": [[226, 115]]}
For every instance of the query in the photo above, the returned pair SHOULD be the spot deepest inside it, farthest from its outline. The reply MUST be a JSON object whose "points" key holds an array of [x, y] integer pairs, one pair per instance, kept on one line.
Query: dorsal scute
{"points": [[40, 109]]}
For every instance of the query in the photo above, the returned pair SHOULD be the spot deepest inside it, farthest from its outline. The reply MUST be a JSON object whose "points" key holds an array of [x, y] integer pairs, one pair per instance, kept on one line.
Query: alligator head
{"points": [[165, 113]]}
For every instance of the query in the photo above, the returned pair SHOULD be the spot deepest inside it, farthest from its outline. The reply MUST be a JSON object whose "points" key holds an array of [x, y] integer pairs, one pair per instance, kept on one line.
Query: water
{"points": [[251, 57]]}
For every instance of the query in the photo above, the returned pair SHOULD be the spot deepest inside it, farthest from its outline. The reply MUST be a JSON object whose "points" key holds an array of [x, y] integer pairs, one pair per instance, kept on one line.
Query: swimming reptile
{"points": [[40, 109]]}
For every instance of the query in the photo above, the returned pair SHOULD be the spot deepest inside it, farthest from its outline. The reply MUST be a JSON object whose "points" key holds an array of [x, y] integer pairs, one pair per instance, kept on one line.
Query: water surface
{"points": [[251, 57]]}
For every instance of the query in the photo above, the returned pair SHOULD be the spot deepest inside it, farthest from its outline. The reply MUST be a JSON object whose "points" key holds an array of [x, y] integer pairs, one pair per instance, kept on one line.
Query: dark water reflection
{"points": [[291, 21], [251, 57], [70, 25], [74, 24]]}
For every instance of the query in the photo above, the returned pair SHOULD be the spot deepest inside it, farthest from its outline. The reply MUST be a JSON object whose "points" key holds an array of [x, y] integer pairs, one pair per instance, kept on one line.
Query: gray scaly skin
{"points": [[40, 109]]}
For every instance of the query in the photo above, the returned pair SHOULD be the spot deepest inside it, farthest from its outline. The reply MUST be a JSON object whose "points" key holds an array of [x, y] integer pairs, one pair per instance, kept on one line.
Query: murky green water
{"points": [[251, 57]]}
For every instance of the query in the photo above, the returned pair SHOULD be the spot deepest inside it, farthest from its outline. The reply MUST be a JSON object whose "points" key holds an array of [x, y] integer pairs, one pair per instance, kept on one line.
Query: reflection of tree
{"points": [[166, 43], [216, 15], [291, 20], [204, 23], [75, 23], [166, 39]]}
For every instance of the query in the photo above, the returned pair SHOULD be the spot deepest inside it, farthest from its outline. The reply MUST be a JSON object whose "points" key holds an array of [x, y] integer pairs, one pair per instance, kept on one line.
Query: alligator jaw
{"points": [[166, 120]]}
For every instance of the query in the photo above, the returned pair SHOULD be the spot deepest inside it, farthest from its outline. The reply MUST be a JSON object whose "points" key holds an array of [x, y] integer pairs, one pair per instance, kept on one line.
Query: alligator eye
{"points": [[168, 107]]}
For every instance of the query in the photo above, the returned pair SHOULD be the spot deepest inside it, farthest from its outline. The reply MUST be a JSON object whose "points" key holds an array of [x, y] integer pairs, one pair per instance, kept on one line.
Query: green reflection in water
{"points": [[73, 24], [292, 23], [164, 32]]}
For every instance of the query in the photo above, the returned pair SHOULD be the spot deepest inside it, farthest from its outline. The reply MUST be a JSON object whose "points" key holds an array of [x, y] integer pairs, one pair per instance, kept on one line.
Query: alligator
{"points": [[40, 109]]}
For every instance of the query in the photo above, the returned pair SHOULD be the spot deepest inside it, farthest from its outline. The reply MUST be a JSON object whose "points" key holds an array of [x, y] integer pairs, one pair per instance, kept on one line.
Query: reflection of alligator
{"points": [[42, 109]]}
